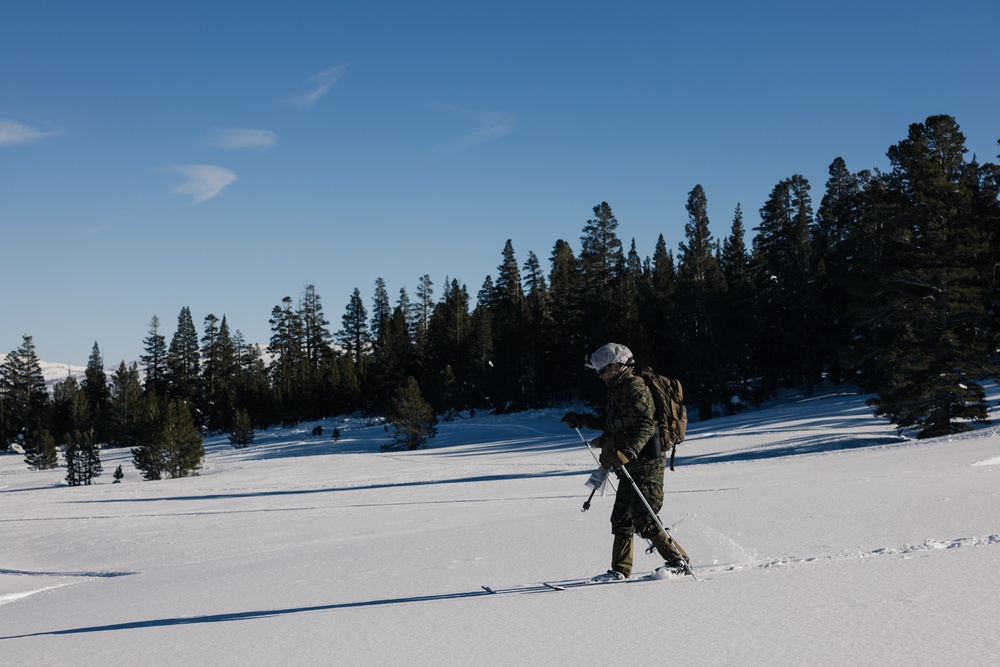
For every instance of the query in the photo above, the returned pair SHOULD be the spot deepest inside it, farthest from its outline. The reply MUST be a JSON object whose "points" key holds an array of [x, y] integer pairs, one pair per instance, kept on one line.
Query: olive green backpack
{"points": [[671, 415]]}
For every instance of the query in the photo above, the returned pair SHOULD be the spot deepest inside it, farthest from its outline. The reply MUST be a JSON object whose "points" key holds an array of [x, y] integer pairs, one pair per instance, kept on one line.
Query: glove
{"points": [[620, 457], [572, 419]]}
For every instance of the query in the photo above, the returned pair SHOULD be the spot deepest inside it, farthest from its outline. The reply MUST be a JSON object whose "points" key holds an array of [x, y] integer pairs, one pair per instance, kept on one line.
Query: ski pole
{"points": [[659, 524], [591, 450]]}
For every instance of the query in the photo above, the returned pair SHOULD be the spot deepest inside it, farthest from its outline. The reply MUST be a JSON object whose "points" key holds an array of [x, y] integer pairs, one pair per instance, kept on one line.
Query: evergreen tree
{"points": [[354, 335], [381, 310], [24, 396], [701, 288], [171, 445], [155, 359], [125, 406], [422, 308], [566, 331], [83, 460], [661, 309], [481, 344], [601, 258], [537, 323], [737, 315], [41, 451], [315, 328], [392, 359], [289, 369], [95, 386], [149, 455], [241, 433], [934, 287], [783, 282], [219, 372], [451, 369], [629, 283], [507, 309], [183, 363], [836, 262], [70, 409], [411, 417]]}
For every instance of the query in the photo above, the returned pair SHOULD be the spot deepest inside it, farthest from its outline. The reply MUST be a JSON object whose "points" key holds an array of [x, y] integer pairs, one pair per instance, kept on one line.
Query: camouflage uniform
{"points": [[629, 427]]}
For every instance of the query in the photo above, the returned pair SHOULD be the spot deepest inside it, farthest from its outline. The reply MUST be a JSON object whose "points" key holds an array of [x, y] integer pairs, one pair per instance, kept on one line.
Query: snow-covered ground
{"points": [[820, 535]]}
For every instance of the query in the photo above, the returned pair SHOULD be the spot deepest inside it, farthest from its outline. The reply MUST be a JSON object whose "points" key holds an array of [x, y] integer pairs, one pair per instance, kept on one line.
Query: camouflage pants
{"points": [[629, 515]]}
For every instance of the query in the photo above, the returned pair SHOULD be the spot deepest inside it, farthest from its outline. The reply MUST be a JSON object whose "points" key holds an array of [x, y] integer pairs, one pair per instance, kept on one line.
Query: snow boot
{"points": [[668, 549], [621, 555]]}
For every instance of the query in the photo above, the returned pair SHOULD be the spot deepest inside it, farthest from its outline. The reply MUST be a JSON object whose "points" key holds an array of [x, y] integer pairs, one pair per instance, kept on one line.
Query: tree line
{"points": [[890, 284]]}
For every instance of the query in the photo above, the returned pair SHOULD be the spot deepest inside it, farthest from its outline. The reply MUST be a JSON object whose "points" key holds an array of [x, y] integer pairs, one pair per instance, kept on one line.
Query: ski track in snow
{"points": [[905, 551]]}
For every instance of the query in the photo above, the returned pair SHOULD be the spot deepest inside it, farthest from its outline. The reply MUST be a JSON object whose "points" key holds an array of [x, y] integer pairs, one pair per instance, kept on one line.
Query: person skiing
{"points": [[630, 439]]}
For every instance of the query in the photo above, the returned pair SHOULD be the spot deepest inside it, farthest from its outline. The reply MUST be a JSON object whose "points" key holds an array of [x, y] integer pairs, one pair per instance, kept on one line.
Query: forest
{"points": [[890, 285]]}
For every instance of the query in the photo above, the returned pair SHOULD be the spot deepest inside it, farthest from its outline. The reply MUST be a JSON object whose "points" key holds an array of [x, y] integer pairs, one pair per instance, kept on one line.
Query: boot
{"points": [[621, 555], [672, 553]]}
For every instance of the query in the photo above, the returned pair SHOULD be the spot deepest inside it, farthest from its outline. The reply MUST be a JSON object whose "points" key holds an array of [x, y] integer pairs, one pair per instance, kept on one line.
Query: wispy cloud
{"points": [[490, 125], [236, 138], [12, 132], [317, 86], [204, 181]]}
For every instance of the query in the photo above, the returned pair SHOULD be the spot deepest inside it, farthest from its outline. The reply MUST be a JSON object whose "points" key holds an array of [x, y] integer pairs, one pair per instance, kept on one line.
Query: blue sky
{"points": [[223, 155]]}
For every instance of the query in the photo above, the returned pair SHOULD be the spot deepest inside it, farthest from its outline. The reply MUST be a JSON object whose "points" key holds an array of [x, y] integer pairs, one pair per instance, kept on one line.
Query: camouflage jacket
{"points": [[628, 420]]}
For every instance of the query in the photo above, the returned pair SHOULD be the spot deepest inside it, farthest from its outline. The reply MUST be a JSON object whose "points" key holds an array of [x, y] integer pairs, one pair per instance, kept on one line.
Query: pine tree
{"points": [[316, 334], [701, 287], [219, 372], [661, 317], [289, 368], [737, 316], [411, 417], [381, 310], [354, 335], [241, 433], [568, 339], [70, 409], [185, 447], [171, 445], [507, 310], [95, 386], [392, 360], [934, 286], [836, 263], [24, 397], [786, 307], [449, 363], [83, 460], [537, 323], [155, 359], [601, 259], [125, 406], [149, 455], [41, 451], [422, 309], [183, 363]]}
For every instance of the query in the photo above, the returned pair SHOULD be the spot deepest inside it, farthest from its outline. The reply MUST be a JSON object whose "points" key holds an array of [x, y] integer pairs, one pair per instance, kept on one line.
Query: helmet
{"points": [[612, 353]]}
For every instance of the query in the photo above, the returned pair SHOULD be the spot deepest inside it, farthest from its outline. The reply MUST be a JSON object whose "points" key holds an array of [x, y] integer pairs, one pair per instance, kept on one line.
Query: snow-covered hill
{"points": [[822, 538], [56, 372]]}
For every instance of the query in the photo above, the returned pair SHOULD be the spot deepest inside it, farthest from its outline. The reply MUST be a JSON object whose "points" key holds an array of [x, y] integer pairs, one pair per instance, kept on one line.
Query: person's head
{"points": [[609, 359]]}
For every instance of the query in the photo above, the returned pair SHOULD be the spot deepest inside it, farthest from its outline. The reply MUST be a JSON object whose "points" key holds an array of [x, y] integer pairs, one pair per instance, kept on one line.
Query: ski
{"points": [[567, 584]]}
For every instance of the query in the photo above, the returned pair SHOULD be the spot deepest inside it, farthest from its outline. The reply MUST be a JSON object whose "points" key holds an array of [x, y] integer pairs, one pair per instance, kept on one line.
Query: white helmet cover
{"points": [[612, 353]]}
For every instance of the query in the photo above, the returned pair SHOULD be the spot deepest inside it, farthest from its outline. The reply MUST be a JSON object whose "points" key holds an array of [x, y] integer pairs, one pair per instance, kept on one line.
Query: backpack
{"points": [[670, 415]]}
